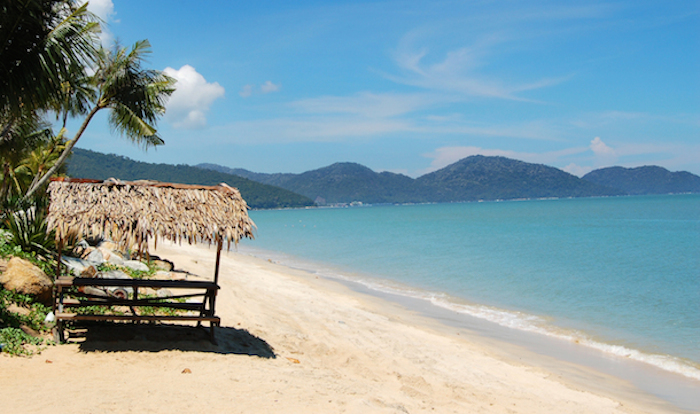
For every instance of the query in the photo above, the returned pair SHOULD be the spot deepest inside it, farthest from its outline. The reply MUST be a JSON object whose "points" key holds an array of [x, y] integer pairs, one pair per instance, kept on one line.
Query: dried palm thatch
{"points": [[131, 213]]}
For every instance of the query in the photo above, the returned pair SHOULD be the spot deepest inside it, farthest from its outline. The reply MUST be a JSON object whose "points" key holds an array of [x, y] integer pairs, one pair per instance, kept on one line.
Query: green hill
{"points": [[472, 178], [498, 178], [646, 180], [98, 166]]}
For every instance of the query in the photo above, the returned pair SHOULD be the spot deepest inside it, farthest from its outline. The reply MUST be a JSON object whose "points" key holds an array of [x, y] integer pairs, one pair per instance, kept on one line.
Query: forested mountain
{"points": [[346, 182], [472, 178], [98, 166], [491, 178], [645, 180], [276, 179]]}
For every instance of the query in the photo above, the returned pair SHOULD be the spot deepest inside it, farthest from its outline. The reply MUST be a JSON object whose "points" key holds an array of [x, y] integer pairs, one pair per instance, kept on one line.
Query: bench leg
{"points": [[58, 333], [211, 332]]}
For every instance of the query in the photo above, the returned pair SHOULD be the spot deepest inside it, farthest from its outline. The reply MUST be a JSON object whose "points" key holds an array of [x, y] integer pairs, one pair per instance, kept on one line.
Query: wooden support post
{"points": [[220, 243], [58, 272]]}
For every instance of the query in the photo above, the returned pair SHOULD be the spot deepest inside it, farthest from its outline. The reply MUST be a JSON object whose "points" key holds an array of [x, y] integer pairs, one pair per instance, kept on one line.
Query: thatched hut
{"points": [[132, 213]]}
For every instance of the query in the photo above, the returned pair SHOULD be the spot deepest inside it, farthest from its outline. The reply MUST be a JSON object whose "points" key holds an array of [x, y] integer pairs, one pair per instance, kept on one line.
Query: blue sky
{"points": [[412, 86]]}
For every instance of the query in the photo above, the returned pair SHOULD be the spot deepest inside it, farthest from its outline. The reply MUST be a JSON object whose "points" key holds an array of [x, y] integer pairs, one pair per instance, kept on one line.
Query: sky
{"points": [[413, 86]]}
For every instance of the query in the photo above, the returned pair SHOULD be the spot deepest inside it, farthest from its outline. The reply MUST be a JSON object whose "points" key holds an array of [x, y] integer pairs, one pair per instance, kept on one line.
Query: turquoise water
{"points": [[618, 274]]}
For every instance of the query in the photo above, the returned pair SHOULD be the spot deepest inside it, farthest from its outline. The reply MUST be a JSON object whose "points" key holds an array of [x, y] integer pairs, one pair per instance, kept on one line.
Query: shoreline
{"points": [[545, 349], [335, 350], [437, 304]]}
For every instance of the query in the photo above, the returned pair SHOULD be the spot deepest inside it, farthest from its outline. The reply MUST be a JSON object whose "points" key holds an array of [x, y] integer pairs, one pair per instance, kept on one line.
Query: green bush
{"points": [[13, 341]]}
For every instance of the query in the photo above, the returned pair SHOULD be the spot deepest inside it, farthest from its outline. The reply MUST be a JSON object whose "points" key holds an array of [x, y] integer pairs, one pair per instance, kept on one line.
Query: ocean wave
{"points": [[503, 317]]}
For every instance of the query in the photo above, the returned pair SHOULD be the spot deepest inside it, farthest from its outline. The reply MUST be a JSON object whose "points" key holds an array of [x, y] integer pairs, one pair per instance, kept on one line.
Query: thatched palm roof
{"points": [[130, 213]]}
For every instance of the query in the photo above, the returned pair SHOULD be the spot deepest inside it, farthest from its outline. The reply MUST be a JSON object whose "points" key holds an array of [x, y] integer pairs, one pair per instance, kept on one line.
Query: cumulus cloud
{"points": [[577, 170], [104, 9], [604, 155], [192, 98], [600, 148], [268, 87]]}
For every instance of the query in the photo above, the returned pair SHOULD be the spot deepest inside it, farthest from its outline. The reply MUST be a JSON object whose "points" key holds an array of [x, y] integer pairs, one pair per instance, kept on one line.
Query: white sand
{"points": [[335, 350]]}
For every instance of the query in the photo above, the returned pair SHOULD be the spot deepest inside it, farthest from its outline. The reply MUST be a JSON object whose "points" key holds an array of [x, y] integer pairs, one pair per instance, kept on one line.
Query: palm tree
{"points": [[26, 134], [135, 97], [45, 43]]}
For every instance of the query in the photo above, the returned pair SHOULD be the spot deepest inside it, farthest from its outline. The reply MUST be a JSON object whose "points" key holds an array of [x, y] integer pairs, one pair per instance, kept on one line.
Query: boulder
{"points": [[163, 293], [85, 252], [25, 278], [135, 265], [109, 245], [75, 266], [80, 248], [89, 271], [115, 259], [95, 257], [163, 264], [113, 274], [122, 292], [106, 253]]}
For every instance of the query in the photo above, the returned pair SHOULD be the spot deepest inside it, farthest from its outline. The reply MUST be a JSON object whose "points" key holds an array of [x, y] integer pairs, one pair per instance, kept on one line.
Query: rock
{"points": [[117, 291], [86, 252], [135, 265], [25, 278], [95, 257], [3, 265], [75, 266], [108, 245], [90, 290], [89, 271], [80, 248], [162, 274], [113, 274], [106, 253], [178, 276], [115, 260], [163, 293], [163, 264]]}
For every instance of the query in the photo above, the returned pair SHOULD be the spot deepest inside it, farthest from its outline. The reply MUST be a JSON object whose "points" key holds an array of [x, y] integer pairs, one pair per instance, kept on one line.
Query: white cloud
{"points": [[268, 87], [577, 170], [458, 73], [192, 98], [370, 105], [599, 148], [604, 155], [246, 91], [104, 9]]}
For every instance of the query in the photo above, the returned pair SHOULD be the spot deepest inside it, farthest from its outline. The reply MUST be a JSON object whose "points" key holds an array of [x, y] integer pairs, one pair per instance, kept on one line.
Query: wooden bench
{"points": [[68, 295]]}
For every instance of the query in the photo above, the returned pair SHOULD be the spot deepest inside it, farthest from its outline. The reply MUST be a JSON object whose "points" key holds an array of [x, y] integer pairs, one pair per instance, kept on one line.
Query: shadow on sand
{"points": [[121, 337]]}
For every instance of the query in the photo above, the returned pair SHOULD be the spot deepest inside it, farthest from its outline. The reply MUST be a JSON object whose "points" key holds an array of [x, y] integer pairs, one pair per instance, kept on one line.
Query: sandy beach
{"points": [[291, 342]]}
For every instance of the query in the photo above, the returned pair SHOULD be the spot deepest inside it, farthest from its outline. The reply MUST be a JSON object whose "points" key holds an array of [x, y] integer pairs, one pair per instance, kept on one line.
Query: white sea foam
{"points": [[506, 318]]}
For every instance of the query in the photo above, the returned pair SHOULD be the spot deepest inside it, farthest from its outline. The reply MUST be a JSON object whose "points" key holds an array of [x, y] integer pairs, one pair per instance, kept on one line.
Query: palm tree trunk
{"points": [[64, 155]]}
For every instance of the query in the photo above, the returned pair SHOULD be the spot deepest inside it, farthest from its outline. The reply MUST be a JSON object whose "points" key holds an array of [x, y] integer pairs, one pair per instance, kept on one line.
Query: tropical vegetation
{"points": [[53, 68], [95, 165]]}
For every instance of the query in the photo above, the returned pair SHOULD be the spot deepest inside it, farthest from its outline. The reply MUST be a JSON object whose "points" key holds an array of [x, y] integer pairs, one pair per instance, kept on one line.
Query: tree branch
{"points": [[64, 155]]}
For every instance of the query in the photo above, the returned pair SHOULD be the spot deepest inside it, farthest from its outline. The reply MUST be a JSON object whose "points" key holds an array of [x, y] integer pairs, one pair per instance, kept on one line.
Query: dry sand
{"points": [[293, 343]]}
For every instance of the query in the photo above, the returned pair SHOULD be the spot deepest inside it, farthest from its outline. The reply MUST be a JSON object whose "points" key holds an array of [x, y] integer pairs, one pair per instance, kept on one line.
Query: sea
{"points": [[619, 275]]}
